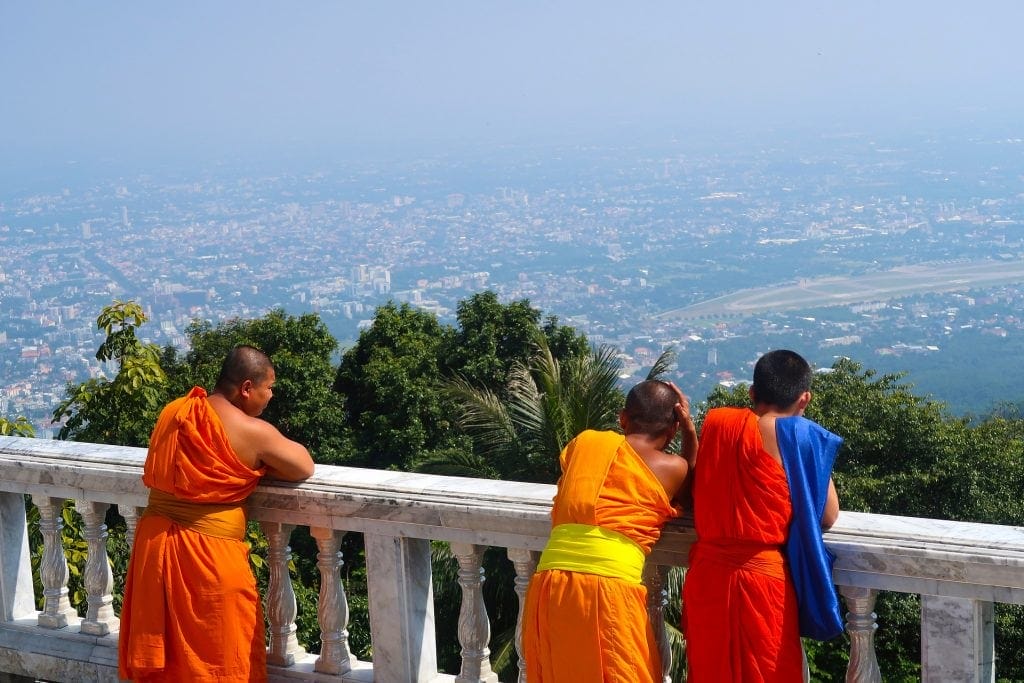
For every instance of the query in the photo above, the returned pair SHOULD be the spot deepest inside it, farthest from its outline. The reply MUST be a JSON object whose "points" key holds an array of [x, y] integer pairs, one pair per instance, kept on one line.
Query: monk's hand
{"points": [[682, 405]]}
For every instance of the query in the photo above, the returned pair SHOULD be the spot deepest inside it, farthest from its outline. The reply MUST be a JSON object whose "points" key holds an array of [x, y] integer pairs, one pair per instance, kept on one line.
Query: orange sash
{"points": [[224, 521]]}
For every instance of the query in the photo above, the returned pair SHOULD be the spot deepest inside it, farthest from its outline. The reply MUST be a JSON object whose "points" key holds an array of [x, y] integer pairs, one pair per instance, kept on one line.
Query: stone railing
{"points": [[959, 569]]}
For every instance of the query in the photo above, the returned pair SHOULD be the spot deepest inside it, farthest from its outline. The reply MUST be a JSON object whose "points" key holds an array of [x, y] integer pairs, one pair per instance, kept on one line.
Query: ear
{"points": [[801, 403], [623, 420], [245, 388], [750, 393]]}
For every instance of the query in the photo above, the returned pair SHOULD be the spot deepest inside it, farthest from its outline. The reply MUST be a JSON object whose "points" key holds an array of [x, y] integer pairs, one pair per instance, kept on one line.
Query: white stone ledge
{"points": [[951, 560]]}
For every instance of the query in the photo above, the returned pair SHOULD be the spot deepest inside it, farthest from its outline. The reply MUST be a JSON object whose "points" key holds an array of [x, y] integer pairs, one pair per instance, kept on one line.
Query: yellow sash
{"points": [[593, 550], [213, 519]]}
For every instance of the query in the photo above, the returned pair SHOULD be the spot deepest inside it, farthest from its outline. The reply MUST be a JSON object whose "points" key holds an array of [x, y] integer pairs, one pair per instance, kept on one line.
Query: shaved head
{"points": [[243, 363], [650, 407]]}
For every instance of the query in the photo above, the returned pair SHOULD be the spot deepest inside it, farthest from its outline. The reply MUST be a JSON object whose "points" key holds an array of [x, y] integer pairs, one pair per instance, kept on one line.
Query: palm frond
{"points": [[663, 364], [593, 398], [457, 462], [482, 415]]}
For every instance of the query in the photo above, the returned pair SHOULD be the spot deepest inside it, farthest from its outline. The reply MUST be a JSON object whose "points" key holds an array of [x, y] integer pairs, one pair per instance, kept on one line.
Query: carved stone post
{"points": [[131, 521], [99, 580], [655, 578], [332, 609], [53, 566], [281, 608], [860, 624], [474, 627], [525, 563]]}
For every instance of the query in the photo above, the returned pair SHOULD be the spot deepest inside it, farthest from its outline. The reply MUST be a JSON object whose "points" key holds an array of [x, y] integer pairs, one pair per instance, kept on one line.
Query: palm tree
{"points": [[546, 403]]}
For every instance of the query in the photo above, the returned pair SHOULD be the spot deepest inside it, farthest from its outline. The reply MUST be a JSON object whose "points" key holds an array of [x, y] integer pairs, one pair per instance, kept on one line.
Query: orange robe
{"points": [[740, 613], [585, 628], [191, 611]]}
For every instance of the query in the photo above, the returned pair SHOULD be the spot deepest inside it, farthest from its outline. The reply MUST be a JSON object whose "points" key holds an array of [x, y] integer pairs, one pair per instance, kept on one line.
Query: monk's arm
{"points": [[688, 432], [285, 459], [831, 513], [689, 441]]}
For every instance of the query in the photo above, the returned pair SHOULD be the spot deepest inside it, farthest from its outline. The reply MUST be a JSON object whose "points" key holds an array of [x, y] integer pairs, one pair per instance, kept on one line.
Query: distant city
{"points": [[901, 254]]}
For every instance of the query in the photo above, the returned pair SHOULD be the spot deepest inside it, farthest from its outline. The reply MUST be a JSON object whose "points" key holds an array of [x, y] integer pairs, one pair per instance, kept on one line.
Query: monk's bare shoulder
{"points": [[258, 443], [769, 441], [670, 469]]}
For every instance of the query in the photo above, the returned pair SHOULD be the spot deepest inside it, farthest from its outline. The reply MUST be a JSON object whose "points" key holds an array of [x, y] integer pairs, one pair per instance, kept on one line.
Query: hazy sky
{"points": [[197, 75]]}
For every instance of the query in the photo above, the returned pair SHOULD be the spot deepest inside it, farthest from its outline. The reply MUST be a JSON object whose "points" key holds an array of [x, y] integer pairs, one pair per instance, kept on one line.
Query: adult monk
{"points": [[740, 610], [191, 611], [585, 619]]}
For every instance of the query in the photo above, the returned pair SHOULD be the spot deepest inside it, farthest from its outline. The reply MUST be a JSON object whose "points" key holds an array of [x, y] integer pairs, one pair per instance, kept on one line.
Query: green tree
{"points": [[19, 426], [389, 381], [121, 410], [492, 338]]}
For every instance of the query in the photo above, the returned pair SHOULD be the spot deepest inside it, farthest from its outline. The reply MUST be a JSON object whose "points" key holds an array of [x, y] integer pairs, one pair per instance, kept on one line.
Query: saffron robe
{"points": [[191, 611], [585, 628], [740, 615]]}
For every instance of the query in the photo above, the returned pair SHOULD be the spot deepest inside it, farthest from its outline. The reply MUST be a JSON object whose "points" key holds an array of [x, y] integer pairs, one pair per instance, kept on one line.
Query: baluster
{"points": [[656, 578], [53, 566], [861, 625], [474, 627], [332, 609], [525, 563], [131, 520], [281, 607], [99, 580]]}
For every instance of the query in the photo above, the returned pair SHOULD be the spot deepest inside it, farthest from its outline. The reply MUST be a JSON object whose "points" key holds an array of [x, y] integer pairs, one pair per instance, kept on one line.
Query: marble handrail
{"points": [[400, 512]]}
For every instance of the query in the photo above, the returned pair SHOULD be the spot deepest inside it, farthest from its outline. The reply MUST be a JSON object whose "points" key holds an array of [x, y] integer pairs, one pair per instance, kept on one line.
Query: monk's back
{"points": [[739, 490], [607, 484]]}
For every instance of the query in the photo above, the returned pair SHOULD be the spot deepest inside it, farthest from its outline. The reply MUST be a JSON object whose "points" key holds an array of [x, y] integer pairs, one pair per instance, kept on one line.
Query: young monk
{"points": [[762, 493], [191, 611], [585, 618]]}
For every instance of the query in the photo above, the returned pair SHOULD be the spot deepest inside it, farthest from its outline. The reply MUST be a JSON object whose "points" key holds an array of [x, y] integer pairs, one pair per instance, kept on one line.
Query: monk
{"points": [[191, 611], [740, 611], [585, 618]]}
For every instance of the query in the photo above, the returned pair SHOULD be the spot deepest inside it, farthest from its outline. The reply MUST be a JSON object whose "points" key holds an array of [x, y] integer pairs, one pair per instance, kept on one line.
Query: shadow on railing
{"points": [[959, 569]]}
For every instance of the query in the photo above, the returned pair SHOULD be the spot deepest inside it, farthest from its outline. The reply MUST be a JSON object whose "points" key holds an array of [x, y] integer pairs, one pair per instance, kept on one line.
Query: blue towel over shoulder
{"points": [[808, 451]]}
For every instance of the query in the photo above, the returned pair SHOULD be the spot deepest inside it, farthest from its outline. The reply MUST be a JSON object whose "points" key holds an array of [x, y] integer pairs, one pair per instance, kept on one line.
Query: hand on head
{"points": [[683, 405]]}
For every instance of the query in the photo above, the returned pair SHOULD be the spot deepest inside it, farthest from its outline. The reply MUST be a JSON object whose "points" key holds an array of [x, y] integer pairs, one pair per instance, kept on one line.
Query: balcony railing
{"points": [[959, 569]]}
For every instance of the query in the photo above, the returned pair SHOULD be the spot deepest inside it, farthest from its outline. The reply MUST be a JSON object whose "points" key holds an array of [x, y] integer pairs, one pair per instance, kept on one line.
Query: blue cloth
{"points": [[808, 451]]}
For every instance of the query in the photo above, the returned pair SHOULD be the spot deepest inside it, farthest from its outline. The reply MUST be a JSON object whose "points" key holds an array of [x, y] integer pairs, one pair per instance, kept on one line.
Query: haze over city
{"points": [[611, 164]]}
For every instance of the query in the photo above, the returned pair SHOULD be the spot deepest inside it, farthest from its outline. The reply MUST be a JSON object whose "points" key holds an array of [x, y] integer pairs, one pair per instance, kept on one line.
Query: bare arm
{"points": [[688, 431], [831, 513], [285, 459]]}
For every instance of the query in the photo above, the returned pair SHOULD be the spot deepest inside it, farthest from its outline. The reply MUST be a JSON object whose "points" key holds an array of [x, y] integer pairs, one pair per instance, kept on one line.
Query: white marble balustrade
{"points": [[959, 569]]}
